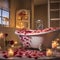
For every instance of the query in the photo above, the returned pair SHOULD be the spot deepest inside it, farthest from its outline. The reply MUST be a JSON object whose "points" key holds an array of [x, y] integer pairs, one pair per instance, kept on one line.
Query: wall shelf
{"points": [[54, 13], [55, 19], [54, 1], [54, 9]]}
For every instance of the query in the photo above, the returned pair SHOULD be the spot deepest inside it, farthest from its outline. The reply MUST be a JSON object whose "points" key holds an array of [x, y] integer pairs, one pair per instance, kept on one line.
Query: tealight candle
{"points": [[49, 52], [10, 52]]}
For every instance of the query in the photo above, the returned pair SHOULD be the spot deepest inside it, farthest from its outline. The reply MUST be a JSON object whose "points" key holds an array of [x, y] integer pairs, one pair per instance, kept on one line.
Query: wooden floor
{"points": [[57, 58]]}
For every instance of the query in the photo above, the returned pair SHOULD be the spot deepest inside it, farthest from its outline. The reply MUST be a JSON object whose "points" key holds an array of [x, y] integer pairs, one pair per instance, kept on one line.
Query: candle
{"points": [[58, 39], [12, 46], [54, 44], [1, 35], [10, 52], [20, 25], [0, 48], [49, 52], [15, 42]]}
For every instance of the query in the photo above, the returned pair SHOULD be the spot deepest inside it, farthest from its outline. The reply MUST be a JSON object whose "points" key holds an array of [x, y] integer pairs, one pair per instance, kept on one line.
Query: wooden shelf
{"points": [[53, 13], [54, 1], [54, 9], [55, 19]]}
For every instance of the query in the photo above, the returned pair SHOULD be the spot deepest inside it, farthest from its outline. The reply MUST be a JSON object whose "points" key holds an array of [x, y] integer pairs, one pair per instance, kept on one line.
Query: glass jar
{"points": [[39, 24]]}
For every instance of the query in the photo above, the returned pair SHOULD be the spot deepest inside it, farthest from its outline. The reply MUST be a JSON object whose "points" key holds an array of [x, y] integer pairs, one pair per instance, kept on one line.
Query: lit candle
{"points": [[22, 25], [57, 39], [10, 52], [54, 44], [49, 52], [1, 35], [15, 42], [0, 48], [12, 46]]}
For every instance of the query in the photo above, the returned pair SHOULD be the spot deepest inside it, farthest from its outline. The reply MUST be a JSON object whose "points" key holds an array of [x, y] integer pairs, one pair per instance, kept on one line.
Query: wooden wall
{"points": [[16, 5], [41, 12], [11, 35]]}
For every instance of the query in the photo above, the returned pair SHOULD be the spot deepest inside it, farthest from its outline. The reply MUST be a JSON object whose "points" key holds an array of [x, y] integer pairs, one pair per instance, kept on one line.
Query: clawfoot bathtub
{"points": [[36, 38]]}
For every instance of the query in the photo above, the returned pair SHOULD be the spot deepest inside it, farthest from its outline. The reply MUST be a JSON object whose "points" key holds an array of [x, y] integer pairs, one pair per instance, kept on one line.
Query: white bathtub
{"points": [[36, 38]]}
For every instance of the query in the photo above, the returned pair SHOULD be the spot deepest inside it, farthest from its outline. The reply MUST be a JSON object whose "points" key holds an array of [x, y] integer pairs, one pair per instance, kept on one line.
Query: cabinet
{"points": [[53, 13], [23, 19]]}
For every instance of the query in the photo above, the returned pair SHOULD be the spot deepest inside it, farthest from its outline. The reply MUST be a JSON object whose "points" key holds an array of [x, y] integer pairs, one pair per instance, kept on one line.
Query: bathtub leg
{"points": [[40, 48]]}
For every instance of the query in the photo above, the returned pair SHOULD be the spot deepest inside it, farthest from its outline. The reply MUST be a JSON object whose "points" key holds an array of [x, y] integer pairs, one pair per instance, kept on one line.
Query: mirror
{"points": [[41, 11]]}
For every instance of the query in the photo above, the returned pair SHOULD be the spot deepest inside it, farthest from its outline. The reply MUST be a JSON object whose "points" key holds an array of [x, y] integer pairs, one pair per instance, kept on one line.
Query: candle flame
{"points": [[49, 52], [10, 52], [1, 35], [54, 44]]}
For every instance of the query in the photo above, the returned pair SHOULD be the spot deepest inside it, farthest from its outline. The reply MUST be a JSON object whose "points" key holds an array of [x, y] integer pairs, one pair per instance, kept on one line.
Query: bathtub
{"points": [[37, 38]]}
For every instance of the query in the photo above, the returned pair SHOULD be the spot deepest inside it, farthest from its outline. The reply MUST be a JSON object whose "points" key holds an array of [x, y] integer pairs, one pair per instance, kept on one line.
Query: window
{"points": [[4, 12], [4, 17]]}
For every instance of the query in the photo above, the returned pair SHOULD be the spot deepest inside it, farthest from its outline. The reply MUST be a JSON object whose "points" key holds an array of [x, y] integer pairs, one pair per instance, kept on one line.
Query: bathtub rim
{"points": [[34, 34]]}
